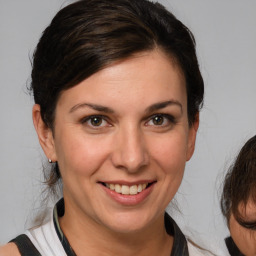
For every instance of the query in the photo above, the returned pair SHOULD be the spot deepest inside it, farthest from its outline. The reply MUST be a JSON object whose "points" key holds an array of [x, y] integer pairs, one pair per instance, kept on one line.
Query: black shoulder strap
{"points": [[25, 246], [180, 246], [232, 248]]}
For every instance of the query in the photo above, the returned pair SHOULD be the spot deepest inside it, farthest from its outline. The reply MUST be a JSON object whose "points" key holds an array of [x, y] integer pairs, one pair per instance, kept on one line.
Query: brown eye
{"points": [[96, 121], [161, 120], [158, 120]]}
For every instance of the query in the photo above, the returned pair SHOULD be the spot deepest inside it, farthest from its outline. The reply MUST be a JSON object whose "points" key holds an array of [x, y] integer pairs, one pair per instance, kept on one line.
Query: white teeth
{"points": [[127, 190], [118, 188], [133, 190]]}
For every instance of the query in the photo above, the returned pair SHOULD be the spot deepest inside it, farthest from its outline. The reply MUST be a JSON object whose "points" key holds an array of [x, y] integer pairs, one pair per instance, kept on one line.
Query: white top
{"points": [[193, 251], [47, 242]]}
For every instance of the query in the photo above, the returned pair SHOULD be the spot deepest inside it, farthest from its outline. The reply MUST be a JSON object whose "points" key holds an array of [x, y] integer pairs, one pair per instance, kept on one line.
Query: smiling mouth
{"points": [[127, 190]]}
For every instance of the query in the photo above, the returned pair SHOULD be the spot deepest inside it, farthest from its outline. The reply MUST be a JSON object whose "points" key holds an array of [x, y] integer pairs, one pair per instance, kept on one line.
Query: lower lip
{"points": [[129, 200]]}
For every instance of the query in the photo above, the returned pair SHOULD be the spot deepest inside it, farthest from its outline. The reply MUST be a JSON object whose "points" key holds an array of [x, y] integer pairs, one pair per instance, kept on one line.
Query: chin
{"points": [[127, 228], [126, 223]]}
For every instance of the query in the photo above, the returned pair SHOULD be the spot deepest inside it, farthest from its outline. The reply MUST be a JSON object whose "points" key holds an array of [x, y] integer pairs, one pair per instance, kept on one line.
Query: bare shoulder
{"points": [[9, 249]]}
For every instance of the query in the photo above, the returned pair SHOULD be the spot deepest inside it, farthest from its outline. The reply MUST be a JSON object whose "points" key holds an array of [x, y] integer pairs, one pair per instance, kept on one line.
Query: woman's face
{"points": [[244, 238], [121, 139]]}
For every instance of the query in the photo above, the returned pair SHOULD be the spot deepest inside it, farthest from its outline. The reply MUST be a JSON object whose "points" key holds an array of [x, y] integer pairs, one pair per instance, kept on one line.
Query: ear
{"points": [[44, 133], [192, 137]]}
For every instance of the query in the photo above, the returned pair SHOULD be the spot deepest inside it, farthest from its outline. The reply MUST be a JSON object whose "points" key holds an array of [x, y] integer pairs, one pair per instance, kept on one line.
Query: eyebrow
{"points": [[93, 106], [149, 109], [164, 104]]}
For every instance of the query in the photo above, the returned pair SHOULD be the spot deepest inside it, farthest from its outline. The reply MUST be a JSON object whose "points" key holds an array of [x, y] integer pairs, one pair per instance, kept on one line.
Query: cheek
{"points": [[169, 158], [170, 152], [79, 155]]}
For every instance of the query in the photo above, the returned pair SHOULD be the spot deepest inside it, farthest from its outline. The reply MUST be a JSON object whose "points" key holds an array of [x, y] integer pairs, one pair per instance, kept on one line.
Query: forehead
{"points": [[156, 61], [146, 76], [248, 211]]}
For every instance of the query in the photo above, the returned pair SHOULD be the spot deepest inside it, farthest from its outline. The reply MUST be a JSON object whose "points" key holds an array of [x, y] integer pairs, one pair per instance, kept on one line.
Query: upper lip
{"points": [[128, 183]]}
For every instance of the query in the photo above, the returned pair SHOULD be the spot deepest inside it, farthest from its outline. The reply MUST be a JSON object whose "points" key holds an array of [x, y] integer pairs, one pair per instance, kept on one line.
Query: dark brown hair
{"points": [[89, 35], [240, 184]]}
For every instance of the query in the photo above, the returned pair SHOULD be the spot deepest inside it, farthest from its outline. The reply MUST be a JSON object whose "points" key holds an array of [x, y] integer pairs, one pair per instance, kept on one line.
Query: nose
{"points": [[130, 151]]}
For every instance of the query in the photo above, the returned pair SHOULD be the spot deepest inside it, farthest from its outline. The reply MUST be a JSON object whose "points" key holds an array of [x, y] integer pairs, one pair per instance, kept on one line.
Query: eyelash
{"points": [[166, 117], [249, 225], [90, 118], [170, 119]]}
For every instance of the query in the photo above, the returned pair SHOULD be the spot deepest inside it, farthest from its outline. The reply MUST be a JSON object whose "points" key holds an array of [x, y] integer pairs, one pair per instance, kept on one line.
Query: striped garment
{"points": [[49, 240]]}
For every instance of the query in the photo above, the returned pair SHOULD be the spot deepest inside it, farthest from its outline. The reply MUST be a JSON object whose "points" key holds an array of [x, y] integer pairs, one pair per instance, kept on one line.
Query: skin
{"points": [[127, 146], [9, 250], [244, 238]]}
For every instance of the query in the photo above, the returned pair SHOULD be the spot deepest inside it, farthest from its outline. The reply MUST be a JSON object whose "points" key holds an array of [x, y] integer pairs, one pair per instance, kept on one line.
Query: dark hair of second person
{"points": [[238, 200]]}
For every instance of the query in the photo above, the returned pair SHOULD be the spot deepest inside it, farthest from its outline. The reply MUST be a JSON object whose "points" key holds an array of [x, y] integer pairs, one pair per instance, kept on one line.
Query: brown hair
{"points": [[88, 35], [240, 184]]}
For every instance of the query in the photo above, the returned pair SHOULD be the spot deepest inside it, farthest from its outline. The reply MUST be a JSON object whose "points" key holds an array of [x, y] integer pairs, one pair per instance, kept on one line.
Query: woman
{"points": [[117, 92], [238, 202]]}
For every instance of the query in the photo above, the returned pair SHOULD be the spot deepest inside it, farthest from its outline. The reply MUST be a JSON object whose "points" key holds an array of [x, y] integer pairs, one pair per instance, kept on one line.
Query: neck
{"points": [[88, 237]]}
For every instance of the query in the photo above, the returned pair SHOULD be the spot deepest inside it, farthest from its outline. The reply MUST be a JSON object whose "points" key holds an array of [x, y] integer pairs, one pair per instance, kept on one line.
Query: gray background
{"points": [[226, 40]]}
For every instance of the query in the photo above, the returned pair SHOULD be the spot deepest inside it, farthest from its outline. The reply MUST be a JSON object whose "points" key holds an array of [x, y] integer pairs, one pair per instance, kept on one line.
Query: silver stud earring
{"points": [[50, 161]]}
